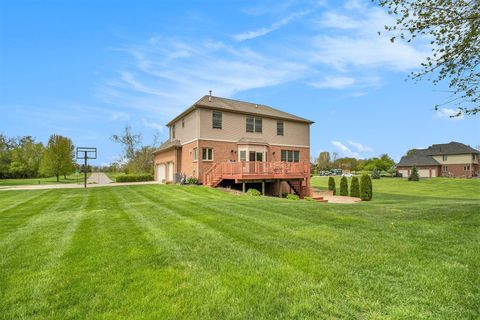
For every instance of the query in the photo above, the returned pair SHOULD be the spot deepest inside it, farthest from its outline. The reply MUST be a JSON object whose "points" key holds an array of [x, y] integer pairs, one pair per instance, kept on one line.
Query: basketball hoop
{"points": [[86, 153]]}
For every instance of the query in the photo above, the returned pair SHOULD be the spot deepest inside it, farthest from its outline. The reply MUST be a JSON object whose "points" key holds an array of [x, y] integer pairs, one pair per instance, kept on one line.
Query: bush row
{"points": [[363, 190], [134, 178]]}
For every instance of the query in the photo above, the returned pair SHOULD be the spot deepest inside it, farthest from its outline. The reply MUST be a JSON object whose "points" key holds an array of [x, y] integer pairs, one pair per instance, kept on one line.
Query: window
{"points": [[290, 156], [173, 132], [216, 120], [183, 123], [466, 168], [445, 157], [207, 154], [195, 154], [445, 169], [474, 157], [254, 124], [243, 155], [279, 128]]}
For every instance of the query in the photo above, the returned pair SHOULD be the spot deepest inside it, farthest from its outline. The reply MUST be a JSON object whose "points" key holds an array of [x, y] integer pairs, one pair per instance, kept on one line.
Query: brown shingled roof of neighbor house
{"points": [[238, 106], [417, 159], [450, 148]]}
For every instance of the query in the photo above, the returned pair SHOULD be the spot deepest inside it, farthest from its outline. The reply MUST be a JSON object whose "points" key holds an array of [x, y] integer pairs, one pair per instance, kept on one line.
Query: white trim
{"points": [[236, 141]]}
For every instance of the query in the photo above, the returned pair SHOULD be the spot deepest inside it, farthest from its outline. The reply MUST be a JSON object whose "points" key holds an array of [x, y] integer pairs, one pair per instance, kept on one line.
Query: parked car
{"points": [[348, 175], [336, 172]]}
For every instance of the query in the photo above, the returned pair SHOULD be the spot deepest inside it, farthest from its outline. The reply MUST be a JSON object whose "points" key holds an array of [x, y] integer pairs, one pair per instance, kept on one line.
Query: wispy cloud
{"points": [[248, 35], [359, 147], [450, 114], [344, 150], [153, 125]]}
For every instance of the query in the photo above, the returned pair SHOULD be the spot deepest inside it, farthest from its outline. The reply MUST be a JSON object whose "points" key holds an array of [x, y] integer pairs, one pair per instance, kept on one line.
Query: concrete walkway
{"points": [[99, 178]]}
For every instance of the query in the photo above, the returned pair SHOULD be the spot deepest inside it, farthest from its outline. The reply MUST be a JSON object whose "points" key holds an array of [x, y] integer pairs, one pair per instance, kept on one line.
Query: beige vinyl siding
{"points": [[234, 128], [454, 159], [190, 129]]}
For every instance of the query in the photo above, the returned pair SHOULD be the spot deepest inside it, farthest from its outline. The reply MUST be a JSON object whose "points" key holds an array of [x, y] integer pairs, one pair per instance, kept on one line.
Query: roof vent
{"points": [[210, 96]]}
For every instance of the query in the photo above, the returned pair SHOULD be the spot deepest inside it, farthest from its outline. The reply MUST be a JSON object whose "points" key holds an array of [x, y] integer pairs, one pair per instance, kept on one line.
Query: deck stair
{"points": [[319, 199]]}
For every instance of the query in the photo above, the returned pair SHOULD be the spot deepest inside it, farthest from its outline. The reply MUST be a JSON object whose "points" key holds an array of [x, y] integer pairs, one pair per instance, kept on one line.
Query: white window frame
{"points": [[195, 154], [209, 154]]}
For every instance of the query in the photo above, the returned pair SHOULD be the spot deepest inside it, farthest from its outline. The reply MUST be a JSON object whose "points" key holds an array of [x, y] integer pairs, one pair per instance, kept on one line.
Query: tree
{"points": [[375, 173], [414, 175], [366, 190], [354, 188], [343, 186], [58, 157], [453, 29], [411, 152], [25, 158], [331, 185], [323, 160], [142, 162], [5, 156], [130, 142]]}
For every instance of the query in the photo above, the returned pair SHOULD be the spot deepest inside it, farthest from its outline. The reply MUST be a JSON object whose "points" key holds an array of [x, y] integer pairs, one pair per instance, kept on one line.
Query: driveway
{"points": [[99, 178]]}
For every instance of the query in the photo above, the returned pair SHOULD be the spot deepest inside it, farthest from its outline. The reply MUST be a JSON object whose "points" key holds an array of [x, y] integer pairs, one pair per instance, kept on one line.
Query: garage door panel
{"points": [[424, 173], [161, 172]]}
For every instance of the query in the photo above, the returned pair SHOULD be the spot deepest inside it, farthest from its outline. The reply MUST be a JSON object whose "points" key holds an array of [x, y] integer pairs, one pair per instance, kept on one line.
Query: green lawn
{"points": [[113, 175], [164, 251], [72, 178]]}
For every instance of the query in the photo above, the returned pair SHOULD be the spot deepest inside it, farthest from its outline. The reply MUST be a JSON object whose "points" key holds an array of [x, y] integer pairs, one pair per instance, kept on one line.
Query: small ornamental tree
{"points": [[414, 175], [331, 185], [354, 188], [366, 188], [344, 186], [375, 173]]}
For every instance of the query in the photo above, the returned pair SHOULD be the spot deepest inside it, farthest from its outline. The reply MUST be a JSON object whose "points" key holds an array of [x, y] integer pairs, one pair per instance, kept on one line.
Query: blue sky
{"points": [[85, 69]]}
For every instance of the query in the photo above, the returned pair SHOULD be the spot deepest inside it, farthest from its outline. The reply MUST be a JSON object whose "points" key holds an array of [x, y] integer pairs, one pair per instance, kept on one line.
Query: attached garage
{"points": [[170, 171], [424, 173], [404, 173], [161, 172]]}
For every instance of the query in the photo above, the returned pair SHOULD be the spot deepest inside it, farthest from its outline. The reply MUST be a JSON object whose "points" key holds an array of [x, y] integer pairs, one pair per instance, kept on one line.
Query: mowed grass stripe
{"points": [[43, 241], [215, 248], [12, 200]]}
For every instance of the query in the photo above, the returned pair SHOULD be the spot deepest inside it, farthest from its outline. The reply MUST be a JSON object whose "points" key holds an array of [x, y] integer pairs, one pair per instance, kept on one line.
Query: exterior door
{"points": [[161, 172], [170, 171]]}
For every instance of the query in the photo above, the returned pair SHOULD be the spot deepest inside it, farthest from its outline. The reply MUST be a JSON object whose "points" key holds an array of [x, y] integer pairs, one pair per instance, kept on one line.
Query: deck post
{"points": [[263, 188], [243, 187], [279, 186]]}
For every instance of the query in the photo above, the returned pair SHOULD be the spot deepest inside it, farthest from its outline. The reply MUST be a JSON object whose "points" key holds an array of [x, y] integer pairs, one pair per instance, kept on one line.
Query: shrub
{"points": [[343, 186], [308, 199], [254, 192], [375, 173], [414, 175], [366, 188], [134, 178], [354, 188], [192, 180], [331, 185], [291, 196]]}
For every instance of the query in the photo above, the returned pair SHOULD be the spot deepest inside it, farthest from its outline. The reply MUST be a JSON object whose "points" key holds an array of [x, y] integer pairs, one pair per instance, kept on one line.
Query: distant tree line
{"points": [[24, 157], [327, 161]]}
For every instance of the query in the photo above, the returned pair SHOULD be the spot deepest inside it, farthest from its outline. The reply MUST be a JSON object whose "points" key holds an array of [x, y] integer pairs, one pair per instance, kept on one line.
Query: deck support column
{"points": [[279, 186], [263, 188], [243, 187]]}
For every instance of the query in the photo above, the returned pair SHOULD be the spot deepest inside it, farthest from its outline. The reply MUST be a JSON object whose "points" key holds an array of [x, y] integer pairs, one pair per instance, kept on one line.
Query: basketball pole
{"points": [[85, 171]]}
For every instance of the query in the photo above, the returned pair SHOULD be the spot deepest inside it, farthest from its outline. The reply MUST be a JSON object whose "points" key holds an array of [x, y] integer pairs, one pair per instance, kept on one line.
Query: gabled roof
{"points": [[168, 145], [224, 104], [450, 148], [417, 159]]}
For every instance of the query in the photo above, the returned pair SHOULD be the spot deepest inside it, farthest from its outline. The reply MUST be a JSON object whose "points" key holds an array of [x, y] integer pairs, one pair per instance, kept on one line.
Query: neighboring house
{"points": [[231, 143], [452, 159]]}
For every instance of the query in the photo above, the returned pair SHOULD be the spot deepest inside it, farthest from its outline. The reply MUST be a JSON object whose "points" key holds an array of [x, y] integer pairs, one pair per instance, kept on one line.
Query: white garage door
{"points": [[424, 173], [170, 171], [161, 172], [434, 173], [404, 173]]}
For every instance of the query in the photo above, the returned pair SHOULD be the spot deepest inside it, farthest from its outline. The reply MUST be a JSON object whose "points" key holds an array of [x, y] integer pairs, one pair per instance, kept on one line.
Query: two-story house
{"points": [[452, 159], [225, 142]]}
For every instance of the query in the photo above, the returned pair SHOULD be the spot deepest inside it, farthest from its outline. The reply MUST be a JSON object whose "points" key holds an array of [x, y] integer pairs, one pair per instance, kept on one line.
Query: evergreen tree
{"points": [[58, 157], [366, 188], [331, 185], [375, 173], [354, 188], [414, 175], [344, 186]]}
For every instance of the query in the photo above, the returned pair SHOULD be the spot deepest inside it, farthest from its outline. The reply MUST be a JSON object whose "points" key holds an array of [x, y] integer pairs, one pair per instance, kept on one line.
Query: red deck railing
{"points": [[246, 170]]}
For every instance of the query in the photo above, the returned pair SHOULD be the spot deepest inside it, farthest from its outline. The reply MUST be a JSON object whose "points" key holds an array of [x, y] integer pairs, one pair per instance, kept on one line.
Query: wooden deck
{"points": [[255, 171]]}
